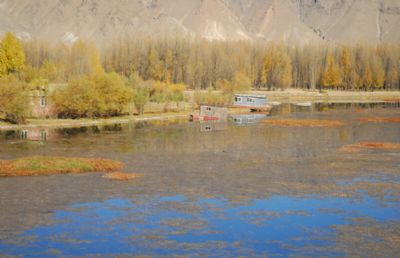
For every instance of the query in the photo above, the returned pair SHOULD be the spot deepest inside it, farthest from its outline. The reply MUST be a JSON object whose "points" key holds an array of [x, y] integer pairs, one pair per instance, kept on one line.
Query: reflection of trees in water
{"points": [[239, 165]]}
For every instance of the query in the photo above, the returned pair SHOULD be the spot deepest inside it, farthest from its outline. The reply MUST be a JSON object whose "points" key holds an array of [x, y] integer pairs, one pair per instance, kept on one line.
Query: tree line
{"points": [[100, 83], [200, 64]]}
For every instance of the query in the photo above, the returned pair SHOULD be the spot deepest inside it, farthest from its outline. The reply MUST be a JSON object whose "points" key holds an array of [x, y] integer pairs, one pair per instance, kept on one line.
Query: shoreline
{"points": [[75, 123], [287, 96], [294, 95]]}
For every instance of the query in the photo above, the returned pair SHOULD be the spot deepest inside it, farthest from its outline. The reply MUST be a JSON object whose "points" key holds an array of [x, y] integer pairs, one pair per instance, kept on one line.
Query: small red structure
{"points": [[41, 106], [209, 113]]}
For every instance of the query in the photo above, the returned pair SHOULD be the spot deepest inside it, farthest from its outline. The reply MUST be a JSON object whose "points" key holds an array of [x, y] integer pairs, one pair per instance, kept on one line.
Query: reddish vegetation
{"points": [[392, 100], [380, 120], [38, 165], [304, 122], [357, 147], [121, 176]]}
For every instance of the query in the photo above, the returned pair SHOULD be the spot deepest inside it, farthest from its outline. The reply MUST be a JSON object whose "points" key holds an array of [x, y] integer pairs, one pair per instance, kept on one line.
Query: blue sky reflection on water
{"points": [[279, 224]]}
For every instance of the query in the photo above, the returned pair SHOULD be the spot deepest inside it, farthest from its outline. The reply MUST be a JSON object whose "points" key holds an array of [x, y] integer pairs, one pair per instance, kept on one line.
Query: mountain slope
{"points": [[296, 21]]}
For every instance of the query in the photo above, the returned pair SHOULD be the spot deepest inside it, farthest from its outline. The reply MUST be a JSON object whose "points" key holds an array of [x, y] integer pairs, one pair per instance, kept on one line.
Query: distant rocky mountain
{"points": [[294, 21]]}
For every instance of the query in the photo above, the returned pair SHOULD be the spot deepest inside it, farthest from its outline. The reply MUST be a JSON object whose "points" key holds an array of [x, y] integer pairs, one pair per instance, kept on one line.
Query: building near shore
{"points": [[40, 102], [258, 103]]}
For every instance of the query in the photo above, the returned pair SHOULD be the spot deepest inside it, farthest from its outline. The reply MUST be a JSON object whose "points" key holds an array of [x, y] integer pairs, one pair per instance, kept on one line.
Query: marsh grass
{"points": [[47, 165], [304, 122], [121, 176], [380, 120], [357, 147]]}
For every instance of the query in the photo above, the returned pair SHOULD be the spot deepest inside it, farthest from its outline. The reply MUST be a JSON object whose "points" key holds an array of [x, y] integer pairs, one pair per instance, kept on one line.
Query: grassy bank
{"points": [[66, 123], [38, 165], [294, 95], [287, 96]]}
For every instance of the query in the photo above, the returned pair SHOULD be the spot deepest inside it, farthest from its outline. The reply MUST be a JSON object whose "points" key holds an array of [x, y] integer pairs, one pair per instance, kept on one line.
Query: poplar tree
{"points": [[13, 53], [345, 67], [3, 63], [331, 76]]}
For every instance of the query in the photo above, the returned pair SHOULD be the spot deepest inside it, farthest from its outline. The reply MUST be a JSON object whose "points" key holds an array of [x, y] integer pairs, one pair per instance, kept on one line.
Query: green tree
{"points": [[14, 102], [13, 52]]}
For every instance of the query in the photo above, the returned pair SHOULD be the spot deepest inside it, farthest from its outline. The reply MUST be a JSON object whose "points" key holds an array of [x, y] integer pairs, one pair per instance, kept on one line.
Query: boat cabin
{"points": [[250, 101]]}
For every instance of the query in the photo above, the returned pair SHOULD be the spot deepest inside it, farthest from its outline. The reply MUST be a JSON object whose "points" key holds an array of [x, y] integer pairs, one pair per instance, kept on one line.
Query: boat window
{"points": [[208, 108], [43, 101], [251, 100], [238, 99], [24, 134], [43, 135]]}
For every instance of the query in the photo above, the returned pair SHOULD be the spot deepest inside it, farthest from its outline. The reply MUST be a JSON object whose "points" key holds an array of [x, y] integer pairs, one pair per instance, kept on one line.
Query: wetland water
{"points": [[226, 189]]}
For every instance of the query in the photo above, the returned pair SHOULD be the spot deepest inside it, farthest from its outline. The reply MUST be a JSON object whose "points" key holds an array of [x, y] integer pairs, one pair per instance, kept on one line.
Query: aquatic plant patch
{"points": [[393, 100], [47, 165], [303, 122], [380, 120], [357, 147], [121, 176]]}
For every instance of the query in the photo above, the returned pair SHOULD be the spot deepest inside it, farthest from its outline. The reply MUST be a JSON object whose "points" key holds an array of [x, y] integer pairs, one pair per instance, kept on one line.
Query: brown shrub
{"points": [[392, 100], [121, 176], [304, 122], [357, 147], [380, 120]]}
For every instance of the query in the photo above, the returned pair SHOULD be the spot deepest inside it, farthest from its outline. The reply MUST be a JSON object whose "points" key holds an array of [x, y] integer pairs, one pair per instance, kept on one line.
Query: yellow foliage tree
{"points": [[367, 77], [331, 76], [13, 52], [378, 74], [346, 67], [277, 68], [98, 95], [14, 103], [3, 63]]}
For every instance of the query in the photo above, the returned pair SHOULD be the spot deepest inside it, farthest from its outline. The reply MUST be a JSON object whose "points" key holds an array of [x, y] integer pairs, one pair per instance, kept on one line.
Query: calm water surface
{"points": [[229, 189]]}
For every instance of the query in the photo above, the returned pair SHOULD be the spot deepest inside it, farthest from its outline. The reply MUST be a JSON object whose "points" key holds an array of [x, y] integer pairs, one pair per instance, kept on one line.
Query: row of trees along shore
{"points": [[99, 83]]}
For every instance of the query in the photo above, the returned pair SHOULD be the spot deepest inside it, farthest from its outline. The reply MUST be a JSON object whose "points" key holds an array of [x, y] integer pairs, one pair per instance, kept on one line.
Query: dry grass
{"points": [[304, 122], [357, 147], [121, 176], [380, 120], [46, 165]]}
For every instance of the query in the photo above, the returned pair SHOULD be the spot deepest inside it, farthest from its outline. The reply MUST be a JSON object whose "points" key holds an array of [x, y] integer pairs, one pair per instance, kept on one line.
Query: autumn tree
{"points": [[141, 92], [97, 95], [378, 74], [277, 70], [12, 54], [14, 102], [153, 69], [346, 67], [3, 63], [331, 75]]}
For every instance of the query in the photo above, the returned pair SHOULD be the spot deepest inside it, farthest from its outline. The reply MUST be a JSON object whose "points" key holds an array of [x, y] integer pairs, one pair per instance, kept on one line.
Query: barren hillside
{"points": [[297, 21]]}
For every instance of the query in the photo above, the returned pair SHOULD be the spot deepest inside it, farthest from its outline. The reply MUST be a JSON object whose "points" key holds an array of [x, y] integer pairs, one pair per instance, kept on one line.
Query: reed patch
{"points": [[380, 119], [48, 165], [121, 176], [357, 147], [304, 122]]}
